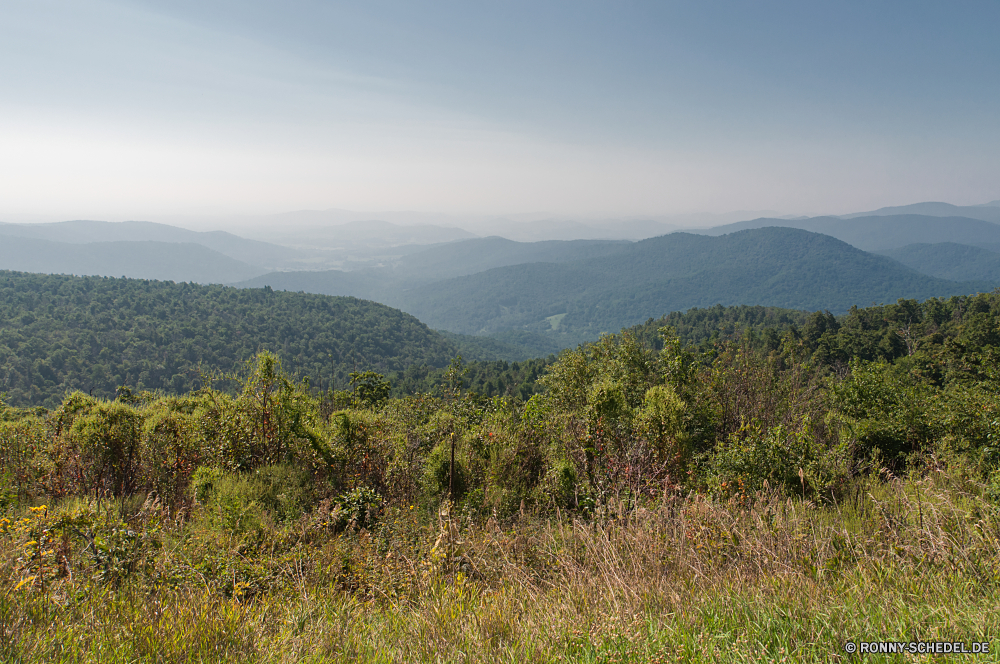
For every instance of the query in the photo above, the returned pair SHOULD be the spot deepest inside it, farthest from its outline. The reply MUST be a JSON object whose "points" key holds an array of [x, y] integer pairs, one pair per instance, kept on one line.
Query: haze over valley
{"points": [[550, 294]]}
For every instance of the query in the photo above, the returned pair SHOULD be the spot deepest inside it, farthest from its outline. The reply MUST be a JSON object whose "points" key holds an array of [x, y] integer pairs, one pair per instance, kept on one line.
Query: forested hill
{"points": [[60, 333], [165, 261], [949, 260], [579, 300]]}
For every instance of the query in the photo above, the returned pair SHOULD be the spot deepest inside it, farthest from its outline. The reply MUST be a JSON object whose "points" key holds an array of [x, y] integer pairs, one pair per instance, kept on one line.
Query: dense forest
{"points": [[95, 334], [65, 333]]}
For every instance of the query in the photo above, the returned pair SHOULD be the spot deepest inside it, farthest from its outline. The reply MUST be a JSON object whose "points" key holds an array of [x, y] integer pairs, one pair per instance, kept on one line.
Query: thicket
{"points": [[886, 385]]}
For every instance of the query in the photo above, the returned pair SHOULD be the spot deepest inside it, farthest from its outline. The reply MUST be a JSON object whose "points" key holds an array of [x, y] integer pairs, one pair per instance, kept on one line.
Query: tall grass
{"points": [[686, 579]]}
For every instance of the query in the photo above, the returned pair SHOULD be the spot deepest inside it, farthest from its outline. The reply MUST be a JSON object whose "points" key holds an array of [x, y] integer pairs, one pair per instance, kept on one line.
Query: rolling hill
{"points": [[471, 256], [948, 260], [165, 261], [241, 249], [442, 261], [579, 300], [882, 233], [64, 333]]}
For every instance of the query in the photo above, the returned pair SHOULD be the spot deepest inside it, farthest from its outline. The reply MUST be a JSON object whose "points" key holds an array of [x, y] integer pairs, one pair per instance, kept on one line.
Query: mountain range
{"points": [[252, 252], [536, 296], [582, 290], [885, 232], [985, 212]]}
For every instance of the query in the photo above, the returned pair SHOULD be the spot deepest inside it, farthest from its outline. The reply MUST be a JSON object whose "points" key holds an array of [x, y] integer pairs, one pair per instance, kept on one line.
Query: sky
{"points": [[134, 109]]}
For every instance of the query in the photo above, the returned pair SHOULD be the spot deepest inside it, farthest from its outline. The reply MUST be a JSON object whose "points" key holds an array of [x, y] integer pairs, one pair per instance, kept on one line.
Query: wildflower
{"points": [[24, 581]]}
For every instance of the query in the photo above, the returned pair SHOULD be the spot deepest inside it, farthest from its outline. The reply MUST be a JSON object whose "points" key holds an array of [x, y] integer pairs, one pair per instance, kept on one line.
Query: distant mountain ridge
{"points": [[578, 298], [374, 232], [552, 293], [949, 260], [882, 233], [163, 261], [252, 252], [985, 212], [778, 267], [444, 261]]}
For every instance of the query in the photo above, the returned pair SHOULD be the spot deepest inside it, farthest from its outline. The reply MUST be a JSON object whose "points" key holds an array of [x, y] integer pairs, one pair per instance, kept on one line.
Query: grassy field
{"points": [[686, 579]]}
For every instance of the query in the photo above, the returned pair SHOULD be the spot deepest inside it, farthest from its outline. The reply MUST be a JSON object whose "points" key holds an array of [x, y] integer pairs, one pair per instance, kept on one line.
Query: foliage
{"points": [[64, 333], [371, 389], [359, 508], [638, 480]]}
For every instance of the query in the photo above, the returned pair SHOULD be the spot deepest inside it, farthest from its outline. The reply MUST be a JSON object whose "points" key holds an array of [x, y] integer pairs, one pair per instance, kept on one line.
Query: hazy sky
{"points": [[133, 109]]}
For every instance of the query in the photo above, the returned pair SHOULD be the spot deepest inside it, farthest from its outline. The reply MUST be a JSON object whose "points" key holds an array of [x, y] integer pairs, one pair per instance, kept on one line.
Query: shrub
{"points": [[244, 501], [661, 422], [359, 508], [170, 454], [203, 483], [109, 436], [791, 460], [884, 410], [438, 477]]}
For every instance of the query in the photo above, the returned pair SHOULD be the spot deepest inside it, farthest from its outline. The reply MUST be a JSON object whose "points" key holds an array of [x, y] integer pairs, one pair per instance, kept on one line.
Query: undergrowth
{"points": [[683, 579]]}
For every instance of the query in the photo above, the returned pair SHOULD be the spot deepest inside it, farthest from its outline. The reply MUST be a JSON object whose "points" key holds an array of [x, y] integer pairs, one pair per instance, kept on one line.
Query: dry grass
{"points": [[687, 580]]}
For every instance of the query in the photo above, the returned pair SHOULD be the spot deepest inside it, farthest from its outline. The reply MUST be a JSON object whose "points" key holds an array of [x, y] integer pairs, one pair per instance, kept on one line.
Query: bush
{"points": [[359, 508], [661, 422], [109, 436], [203, 483], [170, 454], [243, 502], [790, 460], [562, 484], [884, 410], [438, 470]]}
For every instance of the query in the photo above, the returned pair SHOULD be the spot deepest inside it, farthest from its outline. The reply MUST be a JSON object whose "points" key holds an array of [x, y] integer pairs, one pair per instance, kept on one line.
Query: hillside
{"points": [[65, 333], [985, 212], [470, 256], [579, 300], [948, 260], [434, 263], [164, 261], [241, 249], [882, 233]]}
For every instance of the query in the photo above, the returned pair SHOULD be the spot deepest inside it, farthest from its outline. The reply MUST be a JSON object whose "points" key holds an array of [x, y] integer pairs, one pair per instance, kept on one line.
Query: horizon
{"points": [[484, 225], [125, 109]]}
